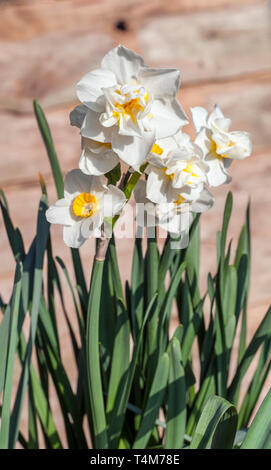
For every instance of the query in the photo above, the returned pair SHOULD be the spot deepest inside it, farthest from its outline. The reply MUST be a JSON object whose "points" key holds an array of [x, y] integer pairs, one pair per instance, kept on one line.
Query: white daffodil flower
{"points": [[86, 203], [174, 216], [219, 145], [176, 167], [128, 104]]}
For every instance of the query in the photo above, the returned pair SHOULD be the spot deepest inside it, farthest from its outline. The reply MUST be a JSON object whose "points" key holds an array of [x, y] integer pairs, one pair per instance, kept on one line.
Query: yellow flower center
{"points": [[187, 169], [156, 149], [214, 148], [171, 176], [180, 199], [130, 108], [84, 205]]}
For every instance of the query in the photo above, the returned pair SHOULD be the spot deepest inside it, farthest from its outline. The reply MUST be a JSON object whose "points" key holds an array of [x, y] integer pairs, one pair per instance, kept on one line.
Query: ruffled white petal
{"points": [[159, 188], [203, 141], [215, 114], [221, 124], [216, 174], [241, 146], [92, 163], [131, 149], [199, 117], [89, 88], [162, 83], [167, 117], [124, 63], [204, 202], [172, 223], [93, 129]]}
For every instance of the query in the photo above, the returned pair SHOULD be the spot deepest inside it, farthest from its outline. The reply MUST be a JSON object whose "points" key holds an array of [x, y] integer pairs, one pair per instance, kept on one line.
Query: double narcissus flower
{"points": [[174, 216], [219, 146], [129, 114], [128, 106], [176, 169]]}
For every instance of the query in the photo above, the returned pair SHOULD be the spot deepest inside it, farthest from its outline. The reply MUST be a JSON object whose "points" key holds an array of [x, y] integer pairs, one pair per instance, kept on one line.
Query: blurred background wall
{"points": [[223, 51]]}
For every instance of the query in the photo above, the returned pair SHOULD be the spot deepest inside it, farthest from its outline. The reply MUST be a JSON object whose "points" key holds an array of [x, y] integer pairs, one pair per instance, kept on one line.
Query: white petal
{"points": [[133, 150], [117, 200], [72, 235], [92, 163], [77, 115], [222, 124], [199, 117], [182, 139], [215, 114], [204, 202], [75, 183], [159, 187], [168, 143], [171, 224], [93, 129], [216, 175], [203, 141], [242, 147], [89, 88], [90, 226], [162, 83], [184, 224], [94, 146], [167, 117], [59, 213], [97, 186], [189, 192], [124, 63], [156, 160]]}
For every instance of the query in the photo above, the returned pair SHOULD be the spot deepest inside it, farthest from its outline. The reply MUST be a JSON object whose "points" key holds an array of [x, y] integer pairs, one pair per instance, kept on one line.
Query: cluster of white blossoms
{"points": [[130, 116]]}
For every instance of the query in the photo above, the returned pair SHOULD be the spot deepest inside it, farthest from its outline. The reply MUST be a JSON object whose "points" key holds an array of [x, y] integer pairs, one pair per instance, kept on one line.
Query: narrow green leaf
{"points": [[14, 235], [41, 242], [153, 404], [259, 433], [33, 440], [5, 416], [262, 334], [120, 358], [217, 425], [176, 409], [93, 359], [137, 287], [256, 385], [152, 267], [4, 342], [206, 390], [48, 142], [119, 412]]}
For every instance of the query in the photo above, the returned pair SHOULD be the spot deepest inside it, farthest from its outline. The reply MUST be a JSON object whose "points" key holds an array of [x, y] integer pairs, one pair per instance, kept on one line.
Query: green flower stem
{"points": [[93, 358], [130, 186]]}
